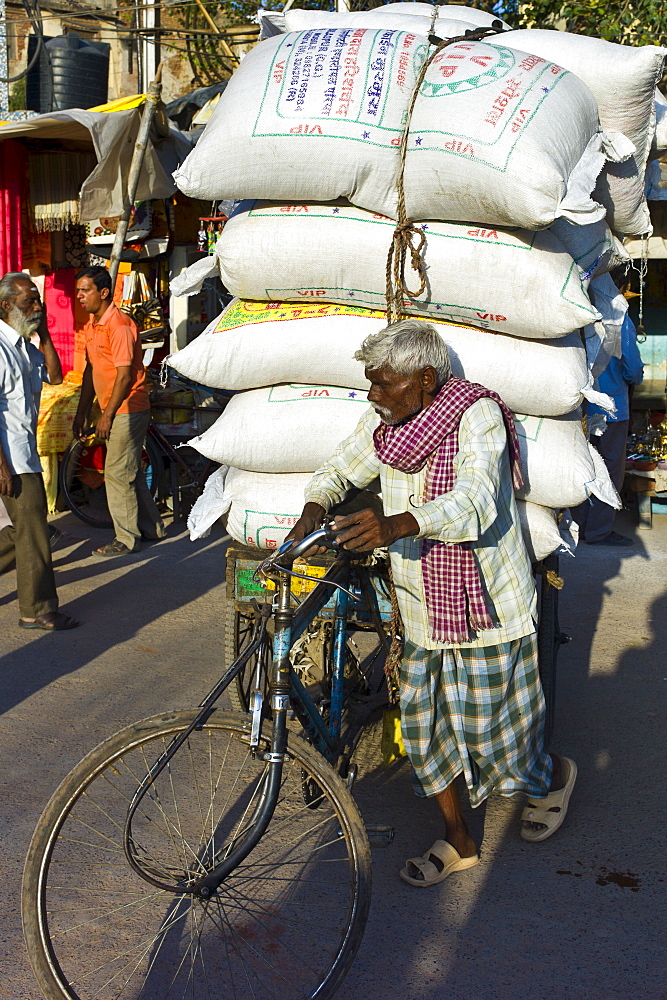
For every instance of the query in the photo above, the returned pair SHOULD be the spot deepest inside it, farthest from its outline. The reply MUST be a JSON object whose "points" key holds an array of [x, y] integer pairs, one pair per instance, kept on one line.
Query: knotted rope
{"points": [[407, 237]]}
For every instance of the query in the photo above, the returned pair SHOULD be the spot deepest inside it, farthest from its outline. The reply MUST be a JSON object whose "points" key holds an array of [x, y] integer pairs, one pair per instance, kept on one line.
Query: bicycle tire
{"points": [[89, 502], [293, 912]]}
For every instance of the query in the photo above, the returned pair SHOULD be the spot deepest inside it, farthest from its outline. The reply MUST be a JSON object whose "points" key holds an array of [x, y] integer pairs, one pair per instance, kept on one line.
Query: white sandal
{"points": [[427, 873], [550, 811]]}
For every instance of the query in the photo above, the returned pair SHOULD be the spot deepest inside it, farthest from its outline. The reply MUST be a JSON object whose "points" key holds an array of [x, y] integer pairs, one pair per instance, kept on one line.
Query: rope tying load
{"points": [[407, 237]]}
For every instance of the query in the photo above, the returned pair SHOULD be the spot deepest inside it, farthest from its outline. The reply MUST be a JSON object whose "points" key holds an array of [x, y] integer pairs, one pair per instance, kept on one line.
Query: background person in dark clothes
{"points": [[596, 519]]}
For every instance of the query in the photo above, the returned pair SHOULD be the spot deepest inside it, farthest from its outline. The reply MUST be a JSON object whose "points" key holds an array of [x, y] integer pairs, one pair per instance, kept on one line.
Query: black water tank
{"points": [[70, 73]]}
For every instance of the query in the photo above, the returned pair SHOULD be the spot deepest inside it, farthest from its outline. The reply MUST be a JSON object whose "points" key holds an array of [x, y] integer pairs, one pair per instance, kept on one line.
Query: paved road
{"points": [[581, 917]]}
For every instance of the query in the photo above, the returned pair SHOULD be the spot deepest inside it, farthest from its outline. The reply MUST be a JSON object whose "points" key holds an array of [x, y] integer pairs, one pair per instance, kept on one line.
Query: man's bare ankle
{"points": [[462, 842]]}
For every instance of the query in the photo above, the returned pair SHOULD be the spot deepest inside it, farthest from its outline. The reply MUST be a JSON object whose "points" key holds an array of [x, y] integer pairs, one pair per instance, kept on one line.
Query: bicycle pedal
{"points": [[379, 836]]}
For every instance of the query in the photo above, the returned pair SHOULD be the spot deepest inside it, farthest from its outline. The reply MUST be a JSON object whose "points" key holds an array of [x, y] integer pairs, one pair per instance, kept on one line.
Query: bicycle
{"points": [[168, 474], [193, 853]]}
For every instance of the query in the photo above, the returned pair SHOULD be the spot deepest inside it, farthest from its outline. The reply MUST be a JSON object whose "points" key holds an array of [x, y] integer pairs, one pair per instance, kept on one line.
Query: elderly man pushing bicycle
{"points": [[471, 701]]}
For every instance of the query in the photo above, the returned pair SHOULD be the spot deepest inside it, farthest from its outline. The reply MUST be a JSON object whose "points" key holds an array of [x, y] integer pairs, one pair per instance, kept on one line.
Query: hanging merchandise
{"points": [[144, 307], [13, 159], [210, 228], [103, 231], [55, 183]]}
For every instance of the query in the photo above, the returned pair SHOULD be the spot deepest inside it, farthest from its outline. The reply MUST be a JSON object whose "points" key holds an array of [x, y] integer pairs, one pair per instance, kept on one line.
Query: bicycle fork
{"points": [[275, 757]]}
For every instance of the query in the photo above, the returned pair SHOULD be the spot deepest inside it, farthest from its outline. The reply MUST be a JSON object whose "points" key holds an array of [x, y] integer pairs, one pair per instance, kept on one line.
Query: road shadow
{"points": [[112, 602]]}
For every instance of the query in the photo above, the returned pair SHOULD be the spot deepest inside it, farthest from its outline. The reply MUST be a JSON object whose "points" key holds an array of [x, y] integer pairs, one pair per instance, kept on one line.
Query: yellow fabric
{"points": [[56, 413], [122, 103], [50, 477], [392, 740]]}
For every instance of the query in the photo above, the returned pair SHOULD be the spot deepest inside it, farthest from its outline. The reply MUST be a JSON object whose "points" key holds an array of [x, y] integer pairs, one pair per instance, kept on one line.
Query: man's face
{"points": [[394, 397], [24, 310], [89, 295]]}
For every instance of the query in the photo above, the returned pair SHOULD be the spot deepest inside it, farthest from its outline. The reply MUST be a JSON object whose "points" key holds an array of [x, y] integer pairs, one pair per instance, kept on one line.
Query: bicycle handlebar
{"points": [[295, 550], [290, 551]]}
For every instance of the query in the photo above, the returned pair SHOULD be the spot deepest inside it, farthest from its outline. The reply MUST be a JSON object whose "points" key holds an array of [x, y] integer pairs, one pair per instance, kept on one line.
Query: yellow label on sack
{"points": [[244, 312]]}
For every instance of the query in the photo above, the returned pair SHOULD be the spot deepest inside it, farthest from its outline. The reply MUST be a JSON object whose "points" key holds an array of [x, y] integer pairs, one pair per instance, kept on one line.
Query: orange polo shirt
{"points": [[114, 343]]}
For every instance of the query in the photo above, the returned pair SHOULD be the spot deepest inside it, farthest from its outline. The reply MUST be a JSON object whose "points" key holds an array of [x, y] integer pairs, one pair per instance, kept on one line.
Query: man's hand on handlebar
{"points": [[367, 530], [311, 519]]}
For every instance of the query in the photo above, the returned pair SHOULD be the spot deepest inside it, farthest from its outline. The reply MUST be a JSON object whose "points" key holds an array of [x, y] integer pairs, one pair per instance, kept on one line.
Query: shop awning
{"points": [[111, 129]]}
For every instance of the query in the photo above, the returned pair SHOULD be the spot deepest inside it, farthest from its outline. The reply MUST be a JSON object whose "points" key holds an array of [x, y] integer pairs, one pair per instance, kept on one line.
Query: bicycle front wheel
{"points": [[285, 924]]}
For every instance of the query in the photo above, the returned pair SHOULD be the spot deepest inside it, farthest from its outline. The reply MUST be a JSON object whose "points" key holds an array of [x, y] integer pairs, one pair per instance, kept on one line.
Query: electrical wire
{"points": [[37, 28], [101, 11]]}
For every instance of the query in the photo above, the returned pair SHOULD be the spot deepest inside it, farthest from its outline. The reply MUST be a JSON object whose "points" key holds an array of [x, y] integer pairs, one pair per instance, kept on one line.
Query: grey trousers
{"points": [[595, 518], [25, 543], [131, 505]]}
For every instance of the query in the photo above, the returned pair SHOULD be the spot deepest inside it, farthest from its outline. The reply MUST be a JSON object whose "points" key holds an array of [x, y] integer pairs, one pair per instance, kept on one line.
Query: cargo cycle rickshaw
{"points": [[210, 854]]}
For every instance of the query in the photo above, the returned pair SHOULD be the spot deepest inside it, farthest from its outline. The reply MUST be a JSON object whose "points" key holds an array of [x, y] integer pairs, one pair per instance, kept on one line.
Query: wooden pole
{"points": [[152, 100], [223, 43]]}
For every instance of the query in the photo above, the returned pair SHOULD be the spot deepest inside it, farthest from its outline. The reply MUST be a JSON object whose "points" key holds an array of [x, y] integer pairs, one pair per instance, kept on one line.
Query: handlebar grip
{"points": [[324, 535]]}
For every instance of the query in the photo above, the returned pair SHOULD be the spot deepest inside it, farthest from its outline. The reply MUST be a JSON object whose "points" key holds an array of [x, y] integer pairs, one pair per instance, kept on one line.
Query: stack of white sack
{"points": [[282, 433], [311, 123]]}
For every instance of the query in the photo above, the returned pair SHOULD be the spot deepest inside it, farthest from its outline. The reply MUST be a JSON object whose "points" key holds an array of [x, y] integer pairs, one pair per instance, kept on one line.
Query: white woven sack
{"points": [[547, 378], [479, 18], [543, 533], [560, 468], [476, 275], [262, 509], [302, 20], [283, 428], [594, 248], [622, 79], [318, 115], [603, 339], [445, 21], [659, 144]]}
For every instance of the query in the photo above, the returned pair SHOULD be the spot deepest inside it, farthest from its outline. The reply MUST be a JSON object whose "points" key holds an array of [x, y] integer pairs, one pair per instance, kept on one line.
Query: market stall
{"points": [[64, 177]]}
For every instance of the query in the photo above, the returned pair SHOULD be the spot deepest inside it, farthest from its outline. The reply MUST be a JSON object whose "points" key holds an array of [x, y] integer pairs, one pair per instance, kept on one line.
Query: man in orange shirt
{"points": [[115, 374]]}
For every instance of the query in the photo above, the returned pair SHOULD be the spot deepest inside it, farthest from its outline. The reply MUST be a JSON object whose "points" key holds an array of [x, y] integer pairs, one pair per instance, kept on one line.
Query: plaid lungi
{"points": [[476, 710]]}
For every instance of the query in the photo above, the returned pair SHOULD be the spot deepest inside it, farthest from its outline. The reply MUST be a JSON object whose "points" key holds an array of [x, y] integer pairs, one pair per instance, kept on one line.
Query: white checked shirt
{"points": [[22, 372], [480, 509]]}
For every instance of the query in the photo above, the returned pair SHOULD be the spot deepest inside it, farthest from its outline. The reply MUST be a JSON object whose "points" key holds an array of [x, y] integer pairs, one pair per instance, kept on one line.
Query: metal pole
{"points": [[150, 38], [152, 100], [4, 61]]}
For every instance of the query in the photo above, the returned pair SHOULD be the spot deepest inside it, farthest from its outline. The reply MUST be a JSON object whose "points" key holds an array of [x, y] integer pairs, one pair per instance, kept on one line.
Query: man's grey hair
{"points": [[407, 347], [8, 287]]}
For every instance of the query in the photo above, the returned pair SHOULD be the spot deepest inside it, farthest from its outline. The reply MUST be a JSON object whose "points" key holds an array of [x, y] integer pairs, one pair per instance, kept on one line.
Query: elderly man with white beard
{"points": [[23, 367]]}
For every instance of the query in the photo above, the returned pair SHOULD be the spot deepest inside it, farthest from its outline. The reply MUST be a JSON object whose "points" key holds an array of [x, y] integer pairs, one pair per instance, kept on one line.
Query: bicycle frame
{"points": [[285, 690]]}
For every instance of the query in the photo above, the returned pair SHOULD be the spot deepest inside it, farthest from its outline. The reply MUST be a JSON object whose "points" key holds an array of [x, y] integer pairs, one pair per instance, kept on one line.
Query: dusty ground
{"points": [[581, 917]]}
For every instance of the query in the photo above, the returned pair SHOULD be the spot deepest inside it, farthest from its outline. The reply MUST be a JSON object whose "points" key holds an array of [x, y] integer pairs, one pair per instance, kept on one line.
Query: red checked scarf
{"points": [[454, 595]]}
